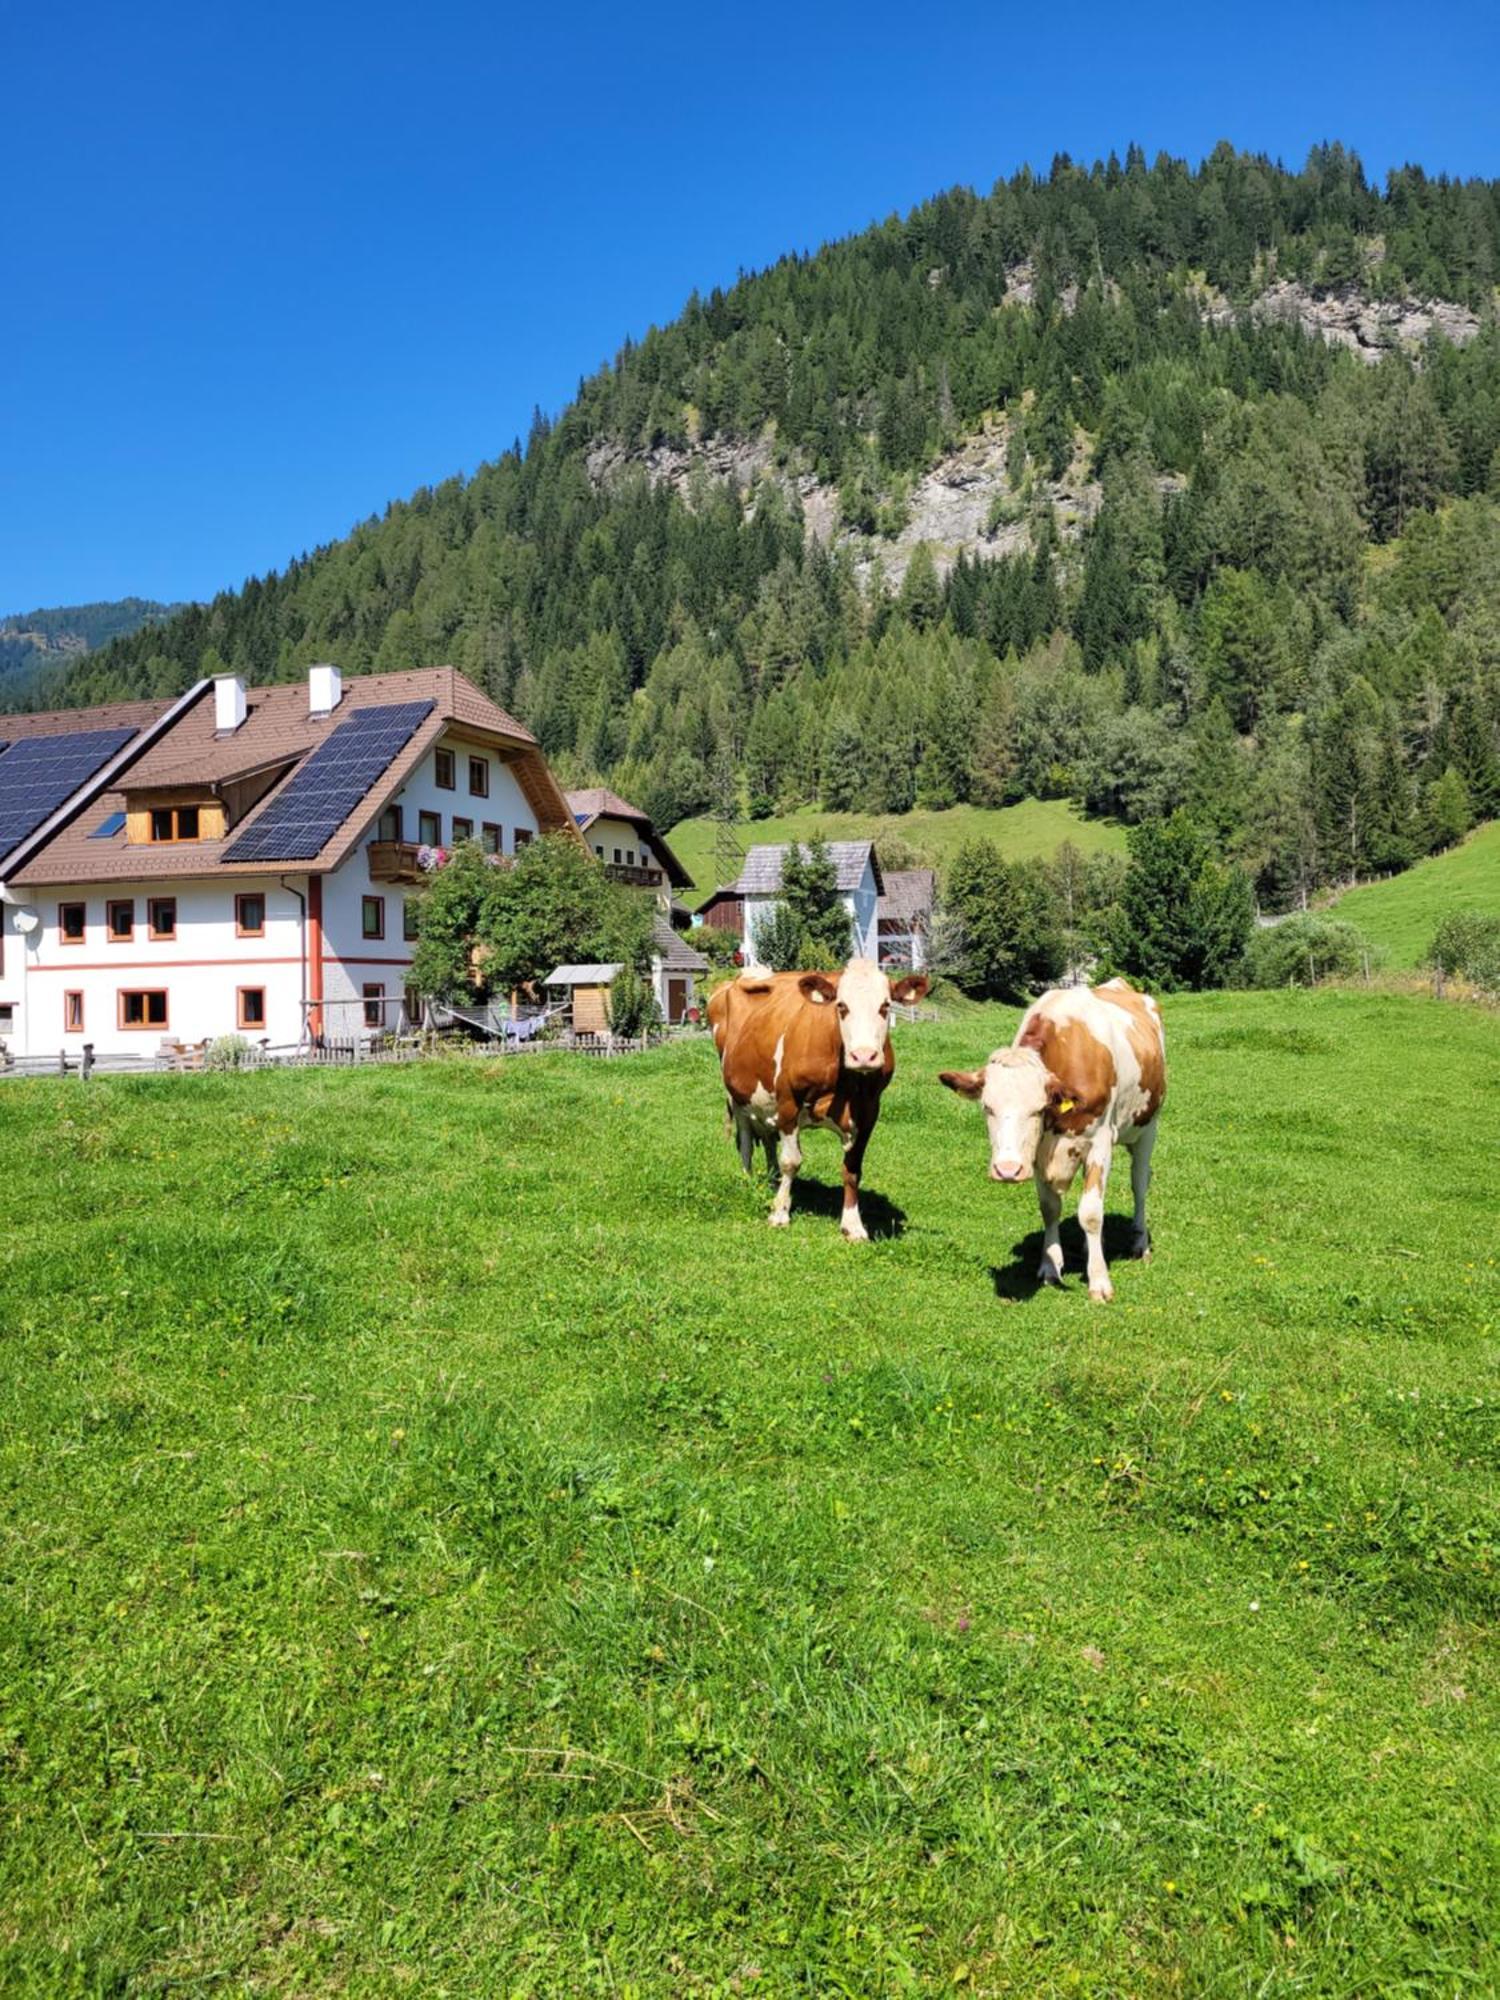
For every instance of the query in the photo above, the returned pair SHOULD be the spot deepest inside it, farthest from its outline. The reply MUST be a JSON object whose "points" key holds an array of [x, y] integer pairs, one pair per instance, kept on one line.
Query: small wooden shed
{"points": [[585, 988]]}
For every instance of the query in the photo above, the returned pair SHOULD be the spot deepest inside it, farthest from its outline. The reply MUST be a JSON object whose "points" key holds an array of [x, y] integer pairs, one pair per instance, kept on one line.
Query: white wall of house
{"points": [[203, 967], [616, 840]]}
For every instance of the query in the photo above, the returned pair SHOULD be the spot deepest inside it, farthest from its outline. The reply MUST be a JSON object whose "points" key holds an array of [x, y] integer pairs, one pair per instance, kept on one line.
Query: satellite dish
{"points": [[27, 921]]}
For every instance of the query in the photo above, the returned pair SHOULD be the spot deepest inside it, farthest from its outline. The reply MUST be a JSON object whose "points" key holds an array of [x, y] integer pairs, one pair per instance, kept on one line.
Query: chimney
{"points": [[229, 703], [325, 688]]}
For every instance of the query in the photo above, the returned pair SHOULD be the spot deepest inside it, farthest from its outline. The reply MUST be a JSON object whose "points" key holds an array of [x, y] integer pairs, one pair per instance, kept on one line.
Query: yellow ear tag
{"points": [[1066, 1104]]}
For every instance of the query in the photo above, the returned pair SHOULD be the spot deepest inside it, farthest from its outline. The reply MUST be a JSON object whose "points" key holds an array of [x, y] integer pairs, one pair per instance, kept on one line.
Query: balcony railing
{"points": [[395, 861], [634, 877]]}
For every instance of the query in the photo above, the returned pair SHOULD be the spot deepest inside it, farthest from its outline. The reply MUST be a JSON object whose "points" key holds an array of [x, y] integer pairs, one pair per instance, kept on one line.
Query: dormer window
{"points": [[174, 823]]}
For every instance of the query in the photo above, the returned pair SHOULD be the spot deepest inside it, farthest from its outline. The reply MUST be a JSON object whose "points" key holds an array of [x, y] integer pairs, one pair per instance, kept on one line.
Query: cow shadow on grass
{"points": [[1018, 1281], [881, 1218]]}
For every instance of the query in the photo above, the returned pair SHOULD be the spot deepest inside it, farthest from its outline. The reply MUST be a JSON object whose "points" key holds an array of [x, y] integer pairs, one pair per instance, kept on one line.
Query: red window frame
{"points": [[73, 1012], [240, 1018], [153, 928], [111, 935], [143, 993], [83, 923]]}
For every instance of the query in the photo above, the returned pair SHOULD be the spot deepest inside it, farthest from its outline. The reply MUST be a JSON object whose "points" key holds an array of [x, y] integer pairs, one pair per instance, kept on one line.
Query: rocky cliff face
{"points": [[953, 505]]}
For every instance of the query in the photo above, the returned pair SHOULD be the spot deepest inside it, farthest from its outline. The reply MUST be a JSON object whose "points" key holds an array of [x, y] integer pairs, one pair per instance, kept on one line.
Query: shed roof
{"points": [[674, 953], [582, 975]]}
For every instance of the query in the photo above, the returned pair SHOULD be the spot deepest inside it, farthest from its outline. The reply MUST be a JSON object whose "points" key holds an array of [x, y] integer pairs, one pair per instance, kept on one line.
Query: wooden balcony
{"points": [[395, 861], [634, 878]]}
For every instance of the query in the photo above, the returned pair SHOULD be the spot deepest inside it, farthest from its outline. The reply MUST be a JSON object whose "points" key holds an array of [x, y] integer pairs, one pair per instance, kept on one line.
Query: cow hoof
{"points": [[858, 1234], [1048, 1274], [1101, 1294], [1141, 1249], [780, 1221]]}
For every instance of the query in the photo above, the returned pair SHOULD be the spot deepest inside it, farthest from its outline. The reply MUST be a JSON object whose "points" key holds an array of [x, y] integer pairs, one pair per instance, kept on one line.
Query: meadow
{"points": [[1400, 914], [1032, 830], [451, 1546]]}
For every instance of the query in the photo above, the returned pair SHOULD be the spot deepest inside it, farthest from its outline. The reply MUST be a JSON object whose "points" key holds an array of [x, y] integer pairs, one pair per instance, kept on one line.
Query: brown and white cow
{"points": [[1086, 1072], [802, 1049]]}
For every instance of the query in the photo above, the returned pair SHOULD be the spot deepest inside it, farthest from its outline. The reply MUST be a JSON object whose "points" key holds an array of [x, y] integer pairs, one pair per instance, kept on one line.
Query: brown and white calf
{"points": [[801, 1049], [1086, 1072]]}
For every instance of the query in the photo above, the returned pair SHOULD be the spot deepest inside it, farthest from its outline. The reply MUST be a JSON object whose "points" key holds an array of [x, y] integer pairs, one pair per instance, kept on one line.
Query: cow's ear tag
{"points": [[1065, 1104]]}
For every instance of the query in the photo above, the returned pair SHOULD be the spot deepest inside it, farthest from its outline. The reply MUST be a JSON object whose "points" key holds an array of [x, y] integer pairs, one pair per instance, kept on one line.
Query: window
{"points": [[598, 850], [491, 839], [388, 826], [161, 916], [174, 822], [411, 919], [619, 857], [413, 1003], [463, 829], [430, 829], [479, 777], [119, 921], [372, 916], [374, 997], [146, 1009], [523, 836], [108, 827], [72, 921], [7, 1016], [443, 770], [250, 915], [72, 1013], [250, 1006]]}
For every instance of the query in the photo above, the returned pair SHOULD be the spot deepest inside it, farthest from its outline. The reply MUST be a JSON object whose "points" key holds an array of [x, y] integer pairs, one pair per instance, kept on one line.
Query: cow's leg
{"points": [[791, 1160], [851, 1222], [1049, 1200], [768, 1140], [1091, 1216], [744, 1136], [1140, 1187]]}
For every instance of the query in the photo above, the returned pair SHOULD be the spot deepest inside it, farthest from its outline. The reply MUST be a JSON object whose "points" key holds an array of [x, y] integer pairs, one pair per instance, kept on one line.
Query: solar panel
{"points": [[40, 773], [108, 827], [317, 799]]}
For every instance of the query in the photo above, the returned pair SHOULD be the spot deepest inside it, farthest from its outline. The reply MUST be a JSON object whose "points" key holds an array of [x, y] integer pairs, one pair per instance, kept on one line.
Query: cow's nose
{"points": [[865, 1058], [1006, 1170]]}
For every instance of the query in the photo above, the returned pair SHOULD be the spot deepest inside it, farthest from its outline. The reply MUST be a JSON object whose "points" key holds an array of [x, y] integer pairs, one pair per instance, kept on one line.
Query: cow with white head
{"points": [[1086, 1072], [802, 1049]]}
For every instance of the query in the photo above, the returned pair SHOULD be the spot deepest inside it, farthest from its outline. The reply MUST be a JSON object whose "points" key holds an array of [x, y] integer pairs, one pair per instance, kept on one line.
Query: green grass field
{"points": [[1401, 914], [1034, 828], [453, 1546]]}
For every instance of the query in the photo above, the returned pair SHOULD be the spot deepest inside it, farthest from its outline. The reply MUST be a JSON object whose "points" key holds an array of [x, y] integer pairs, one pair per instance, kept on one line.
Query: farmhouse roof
{"points": [[908, 895], [582, 975], [761, 874], [675, 955], [37, 802], [281, 732], [599, 802]]}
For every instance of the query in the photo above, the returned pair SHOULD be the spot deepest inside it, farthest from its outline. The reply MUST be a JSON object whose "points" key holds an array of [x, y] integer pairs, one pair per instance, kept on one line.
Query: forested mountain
{"points": [[1138, 483], [31, 642]]}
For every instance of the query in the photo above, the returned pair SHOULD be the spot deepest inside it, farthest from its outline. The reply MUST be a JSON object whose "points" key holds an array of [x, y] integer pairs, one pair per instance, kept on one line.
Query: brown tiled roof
{"points": [[63, 721], [599, 802], [908, 896], [279, 729]]}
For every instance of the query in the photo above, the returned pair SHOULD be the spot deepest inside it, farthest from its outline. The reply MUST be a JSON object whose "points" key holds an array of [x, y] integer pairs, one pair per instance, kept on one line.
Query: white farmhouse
{"points": [[244, 860], [745, 904]]}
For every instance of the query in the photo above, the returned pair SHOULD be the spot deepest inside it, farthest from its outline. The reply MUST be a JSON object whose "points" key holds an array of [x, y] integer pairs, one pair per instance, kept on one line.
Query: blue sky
{"points": [[267, 267]]}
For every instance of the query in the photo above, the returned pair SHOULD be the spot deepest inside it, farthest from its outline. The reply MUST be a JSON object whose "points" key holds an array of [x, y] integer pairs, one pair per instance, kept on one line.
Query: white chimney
{"points": [[229, 703], [325, 688]]}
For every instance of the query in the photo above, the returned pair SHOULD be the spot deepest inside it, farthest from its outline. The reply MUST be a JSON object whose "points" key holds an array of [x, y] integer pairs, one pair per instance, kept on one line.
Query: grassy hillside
{"points": [[1400, 915], [451, 1543], [1022, 832]]}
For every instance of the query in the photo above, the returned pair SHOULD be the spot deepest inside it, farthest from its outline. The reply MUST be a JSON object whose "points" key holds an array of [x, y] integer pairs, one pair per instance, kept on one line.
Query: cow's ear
{"points": [[967, 1082], [910, 989], [1057, 1094], [818, 987]]}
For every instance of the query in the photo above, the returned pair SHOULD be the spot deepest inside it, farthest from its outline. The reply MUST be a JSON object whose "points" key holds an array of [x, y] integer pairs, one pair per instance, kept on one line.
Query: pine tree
{"points": [[810, 891]]}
